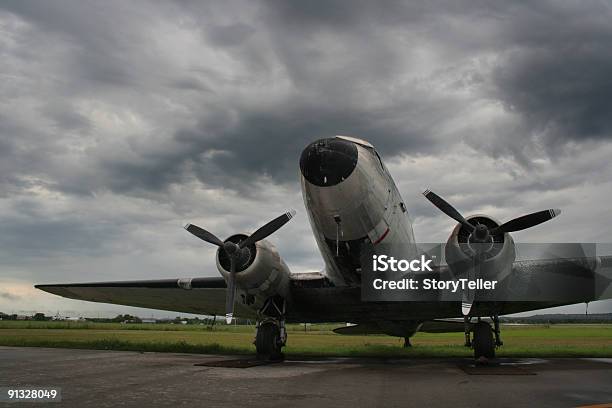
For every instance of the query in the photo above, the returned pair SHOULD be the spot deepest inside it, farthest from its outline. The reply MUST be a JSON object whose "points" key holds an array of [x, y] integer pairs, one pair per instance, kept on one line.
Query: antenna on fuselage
{"points": [[338, 221]]}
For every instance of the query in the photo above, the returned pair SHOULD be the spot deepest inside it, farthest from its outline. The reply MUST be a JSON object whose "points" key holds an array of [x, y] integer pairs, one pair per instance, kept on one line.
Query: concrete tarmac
{"points": [[131, 379]]}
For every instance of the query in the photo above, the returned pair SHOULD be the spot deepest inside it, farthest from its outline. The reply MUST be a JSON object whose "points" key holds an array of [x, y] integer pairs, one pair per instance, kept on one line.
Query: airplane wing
{"points": [[197, 295], [568, 280], [189, 295], [314, 299]]}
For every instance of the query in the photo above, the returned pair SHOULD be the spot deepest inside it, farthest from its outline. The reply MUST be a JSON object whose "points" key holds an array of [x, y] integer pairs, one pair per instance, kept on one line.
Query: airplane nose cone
{"points": [[328, 162]]}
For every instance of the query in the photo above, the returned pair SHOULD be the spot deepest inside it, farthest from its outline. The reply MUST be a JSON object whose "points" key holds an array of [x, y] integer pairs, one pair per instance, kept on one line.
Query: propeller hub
{"points": [[241, 256], [481, 233], [230, 248]]}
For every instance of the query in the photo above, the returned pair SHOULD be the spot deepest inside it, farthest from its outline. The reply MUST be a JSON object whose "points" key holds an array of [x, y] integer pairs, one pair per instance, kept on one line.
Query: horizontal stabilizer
{"points": [[431, 326], [359, 329]]}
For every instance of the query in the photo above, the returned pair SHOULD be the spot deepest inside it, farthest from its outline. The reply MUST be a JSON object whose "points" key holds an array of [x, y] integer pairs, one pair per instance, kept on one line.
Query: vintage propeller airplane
{"points": [[353, 206]]}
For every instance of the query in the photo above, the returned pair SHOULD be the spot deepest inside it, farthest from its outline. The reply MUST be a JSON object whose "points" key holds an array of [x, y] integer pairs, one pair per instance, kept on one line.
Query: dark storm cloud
{"points": [[337, 55], [270, 143], [554, 71], [40, 238], [67, 119], [29, 231], [259, 141], [562, 87], [229, 35], [102, 36]]}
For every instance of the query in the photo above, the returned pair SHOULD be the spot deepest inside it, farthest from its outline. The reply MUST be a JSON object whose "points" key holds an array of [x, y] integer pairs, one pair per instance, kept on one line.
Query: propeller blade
{"points": [[203, 234], [446, 208], [268, 229], [527, 221], [231, 292], [466, 304]]}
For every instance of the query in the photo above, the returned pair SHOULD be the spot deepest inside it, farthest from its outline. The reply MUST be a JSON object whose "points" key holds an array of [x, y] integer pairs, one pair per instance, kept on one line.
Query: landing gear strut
{"points": [[497, 331], [467, 328], [407, 342], [270, 332]]}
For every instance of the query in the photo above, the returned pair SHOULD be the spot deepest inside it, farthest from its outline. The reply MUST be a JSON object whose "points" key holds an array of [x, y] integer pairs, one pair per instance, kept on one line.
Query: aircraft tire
{"points": [[267, 342], [484, 344]]}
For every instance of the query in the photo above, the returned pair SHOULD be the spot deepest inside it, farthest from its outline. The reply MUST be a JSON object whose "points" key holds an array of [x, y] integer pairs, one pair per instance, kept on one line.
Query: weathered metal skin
{"points": [[362, 210]]}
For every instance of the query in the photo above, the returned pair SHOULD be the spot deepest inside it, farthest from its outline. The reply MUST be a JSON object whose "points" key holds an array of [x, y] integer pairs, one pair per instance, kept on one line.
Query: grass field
{"points": [[588, 340]]}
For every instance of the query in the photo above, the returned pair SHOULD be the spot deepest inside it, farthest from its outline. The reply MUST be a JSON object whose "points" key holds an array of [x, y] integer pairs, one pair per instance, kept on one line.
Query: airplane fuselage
{"points": [[352, 204]]}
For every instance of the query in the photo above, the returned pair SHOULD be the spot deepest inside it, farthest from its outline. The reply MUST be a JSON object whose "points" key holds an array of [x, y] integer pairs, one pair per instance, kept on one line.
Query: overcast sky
{"points": [[121, 121]]}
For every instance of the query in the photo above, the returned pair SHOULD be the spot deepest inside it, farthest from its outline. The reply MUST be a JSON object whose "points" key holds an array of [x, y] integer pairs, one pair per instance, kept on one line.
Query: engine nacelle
{"points": [[499, 253], [261, 273]]}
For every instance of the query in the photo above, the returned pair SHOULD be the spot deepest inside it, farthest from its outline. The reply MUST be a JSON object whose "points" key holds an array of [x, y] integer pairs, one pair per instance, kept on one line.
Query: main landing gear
{"points": [[270, 332], [485, 338]]}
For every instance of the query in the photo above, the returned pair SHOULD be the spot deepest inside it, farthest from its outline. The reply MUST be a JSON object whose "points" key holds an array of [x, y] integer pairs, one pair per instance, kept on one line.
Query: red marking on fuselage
{"points": [[382, 236]]}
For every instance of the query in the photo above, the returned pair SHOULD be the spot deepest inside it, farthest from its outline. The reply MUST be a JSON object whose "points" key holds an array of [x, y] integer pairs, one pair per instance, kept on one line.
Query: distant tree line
{"points": [[36, 316]]}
